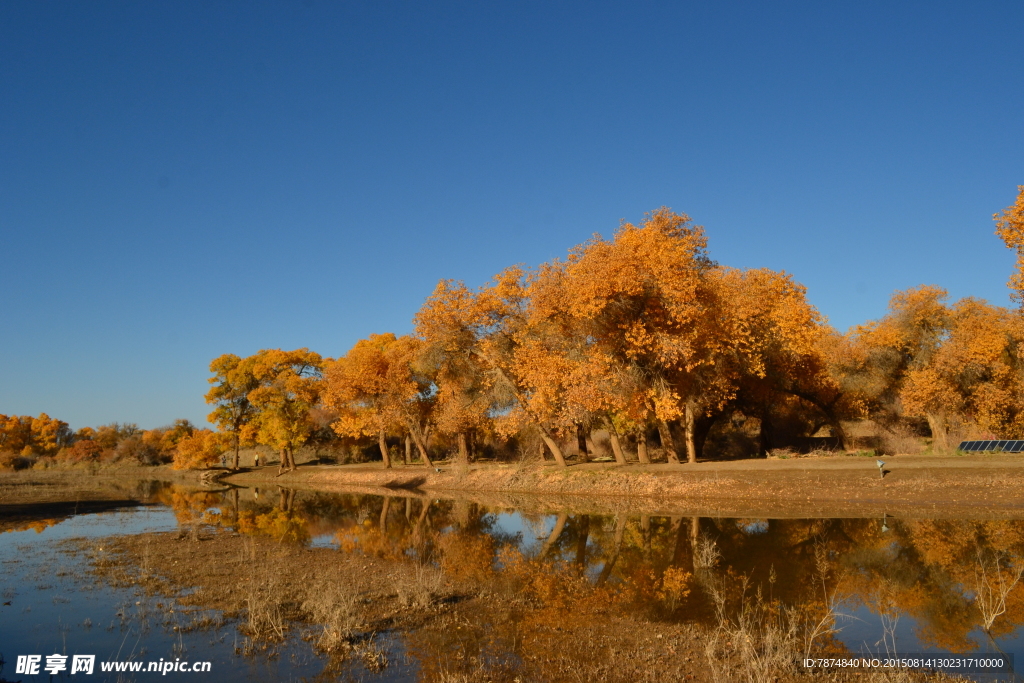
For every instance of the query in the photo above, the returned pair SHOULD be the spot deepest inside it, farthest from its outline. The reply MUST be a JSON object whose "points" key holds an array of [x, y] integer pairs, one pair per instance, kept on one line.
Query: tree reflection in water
{"points": [[957, 581]]}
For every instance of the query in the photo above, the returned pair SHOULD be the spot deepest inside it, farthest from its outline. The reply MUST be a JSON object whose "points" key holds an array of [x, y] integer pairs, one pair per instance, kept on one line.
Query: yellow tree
{"points": [[568, 381], [49, 434], [233, 380], [877, 356], [199, 450], [1010, 227], [647, 303], [778, 348], [973, 376], [459, 328], [375, 389], [288, 390], [28, 435]]}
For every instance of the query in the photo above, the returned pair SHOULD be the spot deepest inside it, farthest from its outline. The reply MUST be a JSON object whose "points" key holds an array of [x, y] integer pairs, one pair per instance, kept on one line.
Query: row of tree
{"points": [[26, 441], [642, 337]]}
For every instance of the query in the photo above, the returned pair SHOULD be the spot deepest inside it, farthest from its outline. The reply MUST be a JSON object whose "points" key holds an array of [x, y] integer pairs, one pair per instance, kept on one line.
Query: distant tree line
{"points": [[43, 441]]}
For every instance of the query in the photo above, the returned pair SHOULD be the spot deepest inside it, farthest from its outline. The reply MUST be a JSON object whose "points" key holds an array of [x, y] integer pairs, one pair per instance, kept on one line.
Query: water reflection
{"points": [[957, 582], [476, 588]]}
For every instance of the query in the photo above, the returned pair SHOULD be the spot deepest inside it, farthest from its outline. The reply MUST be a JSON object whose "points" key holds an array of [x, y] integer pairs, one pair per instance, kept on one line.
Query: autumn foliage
{"points": [[635, 347], [44, 442], [643, 344]]}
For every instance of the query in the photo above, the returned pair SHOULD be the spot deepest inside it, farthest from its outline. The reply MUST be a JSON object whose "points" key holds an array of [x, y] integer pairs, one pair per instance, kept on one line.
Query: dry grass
{"points": [[901, 439], [761, 641], [418, 587], [264, 613], [334, 609]]}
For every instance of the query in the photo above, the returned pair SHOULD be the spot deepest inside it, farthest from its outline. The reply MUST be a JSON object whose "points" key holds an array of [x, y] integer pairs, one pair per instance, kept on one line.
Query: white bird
{"points": [[881, 472]]}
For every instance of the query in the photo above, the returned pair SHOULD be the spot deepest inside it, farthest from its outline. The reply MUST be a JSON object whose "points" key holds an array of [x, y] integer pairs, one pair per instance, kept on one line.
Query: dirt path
{"points": [[841, 486]]}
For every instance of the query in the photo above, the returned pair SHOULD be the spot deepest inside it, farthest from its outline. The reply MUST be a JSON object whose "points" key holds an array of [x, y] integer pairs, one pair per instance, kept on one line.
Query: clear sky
{"points": [[185, 179]]}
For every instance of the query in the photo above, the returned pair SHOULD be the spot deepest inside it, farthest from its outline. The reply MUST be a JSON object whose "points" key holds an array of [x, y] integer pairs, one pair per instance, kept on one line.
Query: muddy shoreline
{"points": [[842, 486], [968, 487]]}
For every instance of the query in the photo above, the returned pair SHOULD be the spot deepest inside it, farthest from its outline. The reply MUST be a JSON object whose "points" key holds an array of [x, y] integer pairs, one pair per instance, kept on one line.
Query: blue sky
{"points": [[180, 180]]}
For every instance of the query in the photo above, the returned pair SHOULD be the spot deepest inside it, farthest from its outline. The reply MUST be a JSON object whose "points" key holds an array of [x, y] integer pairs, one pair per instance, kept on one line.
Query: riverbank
{"points": [[984, 486], [31, 496], [962, 487]]}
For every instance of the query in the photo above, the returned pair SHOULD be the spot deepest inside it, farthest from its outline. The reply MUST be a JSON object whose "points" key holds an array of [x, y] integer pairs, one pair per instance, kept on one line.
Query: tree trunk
{"points": [[616, 447], [845, 442], [620, 529], [555, 450], [641, 448], [581, 443], [681, 545], [581, 543], [408, 450], [766, 434], [234, 464], [383, 444], [555, 533], [384, 516], [694, 540], [827, 409], [463, 450], [463, 514], [421, 446], [417, 532], [937, 425], [667, 443], [690, 425]]}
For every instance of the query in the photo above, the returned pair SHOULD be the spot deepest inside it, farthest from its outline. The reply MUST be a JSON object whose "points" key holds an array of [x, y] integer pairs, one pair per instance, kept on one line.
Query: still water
{"points": [[72, 586]]}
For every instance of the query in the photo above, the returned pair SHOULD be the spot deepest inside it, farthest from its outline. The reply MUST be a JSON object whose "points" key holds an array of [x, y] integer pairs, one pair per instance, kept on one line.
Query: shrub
{"points": [[85, 450], [199, 450], [138, 449], [9, 460]]}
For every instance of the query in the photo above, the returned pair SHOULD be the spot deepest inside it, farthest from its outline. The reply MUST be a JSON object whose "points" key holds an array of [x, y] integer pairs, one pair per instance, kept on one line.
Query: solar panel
{"points": [[992, 446]]}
